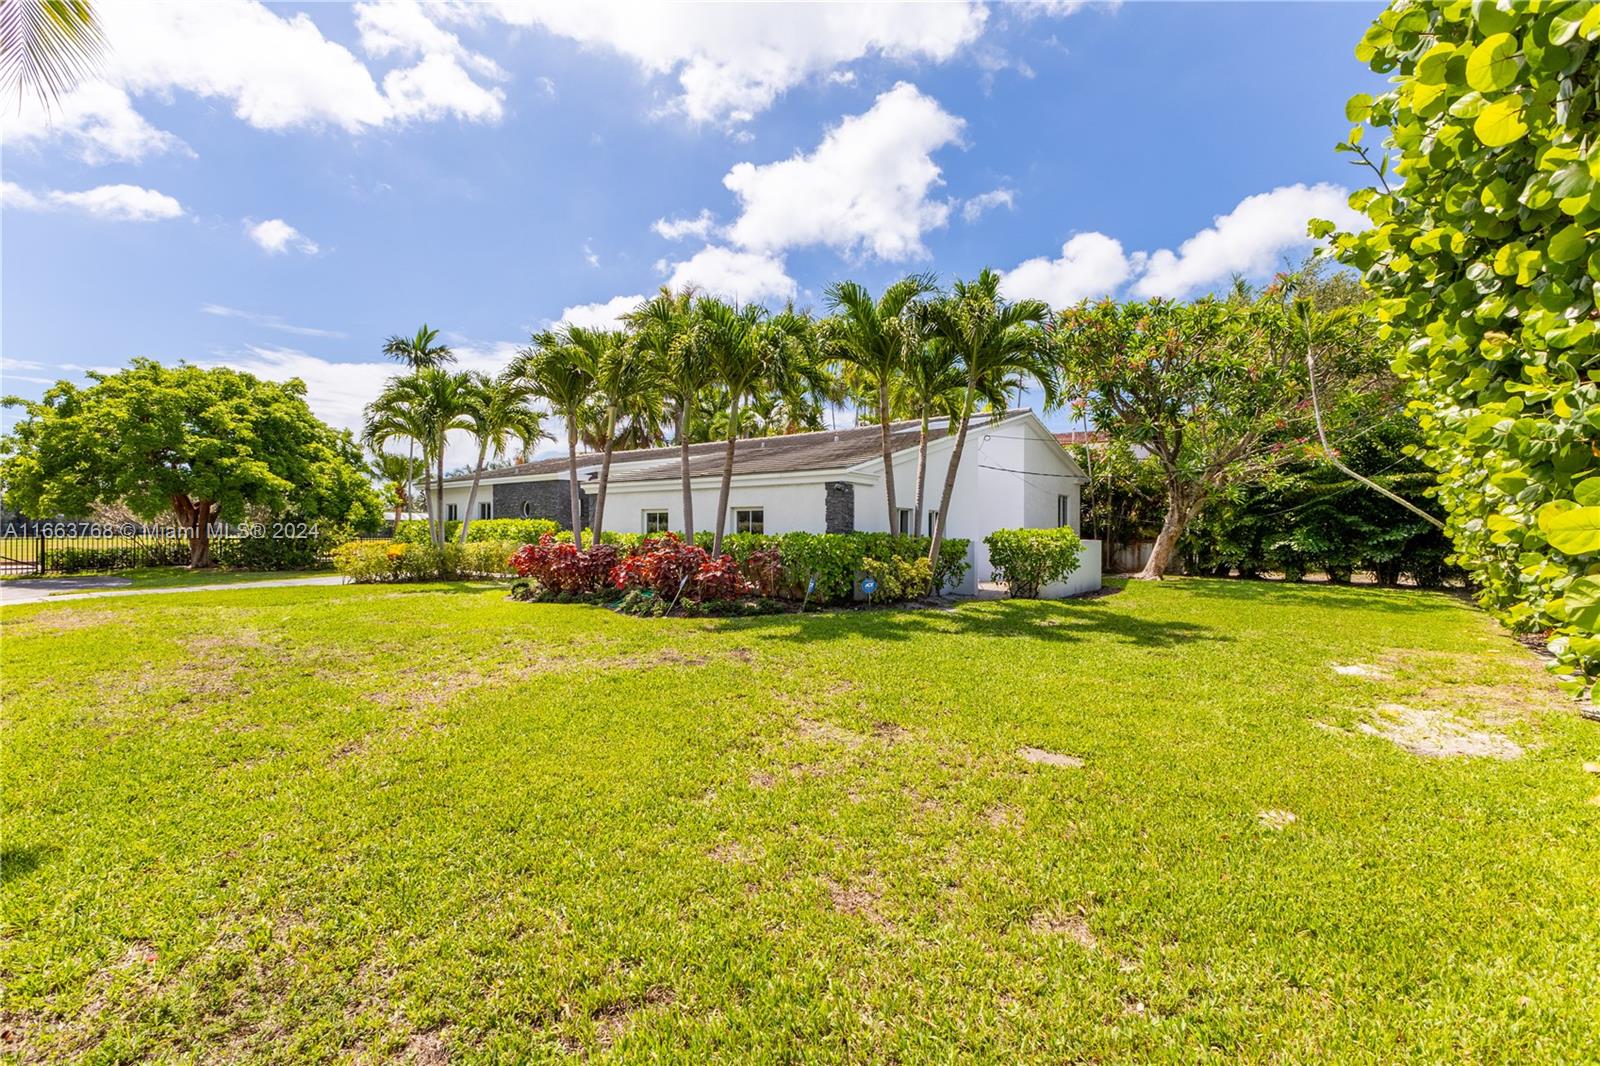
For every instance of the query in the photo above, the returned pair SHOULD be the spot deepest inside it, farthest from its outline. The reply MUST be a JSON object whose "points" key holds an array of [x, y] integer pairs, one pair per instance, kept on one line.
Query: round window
{"points": [[527, 509]]}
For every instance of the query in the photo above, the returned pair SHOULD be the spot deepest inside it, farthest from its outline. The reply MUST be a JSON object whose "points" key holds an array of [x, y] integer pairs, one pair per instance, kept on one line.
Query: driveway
{"points": [[60, 589]]}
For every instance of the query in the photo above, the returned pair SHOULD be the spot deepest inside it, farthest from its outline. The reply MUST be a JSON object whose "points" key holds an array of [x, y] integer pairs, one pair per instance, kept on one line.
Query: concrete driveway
{"points": [[59, 589]]}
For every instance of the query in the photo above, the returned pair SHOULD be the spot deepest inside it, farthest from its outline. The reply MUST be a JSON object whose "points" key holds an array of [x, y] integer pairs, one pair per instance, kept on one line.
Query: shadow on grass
{"points": [[20, 862], [1050, 622], [1317, 594]]}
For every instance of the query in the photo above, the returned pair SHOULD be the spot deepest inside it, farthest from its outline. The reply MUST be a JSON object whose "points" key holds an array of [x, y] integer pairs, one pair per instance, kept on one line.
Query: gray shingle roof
{"points": [[826, 449]]}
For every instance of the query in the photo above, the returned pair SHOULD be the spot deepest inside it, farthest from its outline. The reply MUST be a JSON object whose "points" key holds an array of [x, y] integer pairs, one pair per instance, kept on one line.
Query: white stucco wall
{"points": [[788, 505]]}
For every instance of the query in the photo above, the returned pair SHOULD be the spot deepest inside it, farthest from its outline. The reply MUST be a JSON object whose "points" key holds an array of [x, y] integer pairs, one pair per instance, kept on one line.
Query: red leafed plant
{"points": [[563, 568], [660, 564], [720, 579], [763, 568]]}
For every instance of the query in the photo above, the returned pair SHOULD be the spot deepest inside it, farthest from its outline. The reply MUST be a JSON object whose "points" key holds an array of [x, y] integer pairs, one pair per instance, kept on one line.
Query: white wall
{"points": [[788, 506], [1084, 579]]}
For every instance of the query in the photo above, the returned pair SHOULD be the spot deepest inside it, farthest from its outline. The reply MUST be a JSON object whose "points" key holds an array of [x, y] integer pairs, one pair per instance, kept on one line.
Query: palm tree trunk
{"points": [[922, 474], [472, 493], [411, 487], [888, 462], [605, 475], [683, 468], [572, 483], [937, 532], [727, 477], [444, 527]]}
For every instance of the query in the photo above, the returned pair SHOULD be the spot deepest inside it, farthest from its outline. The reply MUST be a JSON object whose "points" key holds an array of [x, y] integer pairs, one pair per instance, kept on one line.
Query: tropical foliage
{"points": [[1029, 559], [207, 445], [1484, 262]]}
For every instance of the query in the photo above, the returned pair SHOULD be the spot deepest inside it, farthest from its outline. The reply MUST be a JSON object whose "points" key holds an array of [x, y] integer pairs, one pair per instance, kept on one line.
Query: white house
{"points": [[1013, 474]]}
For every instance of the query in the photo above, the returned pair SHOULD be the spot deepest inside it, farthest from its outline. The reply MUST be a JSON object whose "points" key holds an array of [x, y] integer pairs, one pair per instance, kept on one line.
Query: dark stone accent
{"points": [[549, 499], [839, 513]]}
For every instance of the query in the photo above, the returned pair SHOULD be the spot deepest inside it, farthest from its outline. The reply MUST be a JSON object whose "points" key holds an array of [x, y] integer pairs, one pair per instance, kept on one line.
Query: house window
{"points": [[933, 522], [749, 520], [451, 513], [485, 510], [906, 517], [655, 522], [527, 508], [1063, 510]]}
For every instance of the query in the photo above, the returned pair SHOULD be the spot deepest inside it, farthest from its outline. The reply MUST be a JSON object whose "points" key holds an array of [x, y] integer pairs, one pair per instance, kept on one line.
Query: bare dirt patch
{"points": [[732, 852], [1276, 818], [1358, 670], [613, 1018], [65, 620], [674, 657], [1074, 927], [426, 1049], [762, 779], [1002, 817], [1437, 734], [1050, 758], [890, 732], [860, 899], [827, 733]]}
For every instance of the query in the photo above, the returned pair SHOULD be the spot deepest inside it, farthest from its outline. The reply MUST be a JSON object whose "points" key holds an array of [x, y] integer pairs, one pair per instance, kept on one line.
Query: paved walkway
{"points": [[44, 589]]}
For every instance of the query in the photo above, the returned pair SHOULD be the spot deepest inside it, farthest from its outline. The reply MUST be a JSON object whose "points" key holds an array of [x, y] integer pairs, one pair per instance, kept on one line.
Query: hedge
{"points": [[1028, 559]]}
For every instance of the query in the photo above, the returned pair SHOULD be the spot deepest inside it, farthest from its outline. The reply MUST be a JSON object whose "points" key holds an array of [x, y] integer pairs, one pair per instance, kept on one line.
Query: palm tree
{"points": [[665, 330], [931, 384], [48, 47], [425, 406], [396, 472], [561, 373], [873, 336], [420, 351], [997, 344], [499, 413], [625, 387], [748, 349], [393, 415]]}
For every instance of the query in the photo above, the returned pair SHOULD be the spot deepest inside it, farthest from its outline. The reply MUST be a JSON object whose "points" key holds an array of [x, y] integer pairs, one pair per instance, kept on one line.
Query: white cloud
{"points": [[589, 255], [275, 236], [437, 88], [268, 321], [402, 27], [606, 315], [733, 60], [677, 229], [119, 203], [1251, 239], [733, 275], [97, 119], [864, 190], [974, 208], [1091, 265]]}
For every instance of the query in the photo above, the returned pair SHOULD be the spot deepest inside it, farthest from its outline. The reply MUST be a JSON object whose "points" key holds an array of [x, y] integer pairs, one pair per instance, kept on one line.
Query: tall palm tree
{"points": [[931, 384], [748, 349], [625, 388], [499, 413], [394, 415], [997, 344], [47, 47], [425, 406], [873, 335], [561, 373], [396, 472], [664, 329], [420, 351]]}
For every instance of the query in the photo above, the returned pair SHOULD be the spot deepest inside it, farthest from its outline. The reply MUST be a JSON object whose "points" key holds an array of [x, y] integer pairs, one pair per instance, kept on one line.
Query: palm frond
{"points": [[47, 47]]}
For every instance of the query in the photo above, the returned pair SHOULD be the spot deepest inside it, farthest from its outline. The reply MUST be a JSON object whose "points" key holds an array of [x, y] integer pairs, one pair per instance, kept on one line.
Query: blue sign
{"points": [[811, 586], [869, 585]]}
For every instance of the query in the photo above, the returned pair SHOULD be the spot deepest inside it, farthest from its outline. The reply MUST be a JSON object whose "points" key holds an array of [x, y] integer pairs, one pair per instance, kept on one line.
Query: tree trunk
{"points": [[444, 526], [472, 493], [411, 483], [572, 487], [683, 466], [1182, 503], [605, 475], [197, 518], [888, 464], [727, 478], [937, 532], [922, 475]]}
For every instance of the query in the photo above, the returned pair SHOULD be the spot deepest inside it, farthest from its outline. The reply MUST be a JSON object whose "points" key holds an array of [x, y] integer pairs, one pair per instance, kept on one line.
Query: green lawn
{"points": [[166, 577], [431, 824]]}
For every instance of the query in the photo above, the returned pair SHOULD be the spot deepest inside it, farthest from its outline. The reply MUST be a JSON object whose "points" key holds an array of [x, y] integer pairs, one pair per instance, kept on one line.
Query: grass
{"points": [[427, 823]]}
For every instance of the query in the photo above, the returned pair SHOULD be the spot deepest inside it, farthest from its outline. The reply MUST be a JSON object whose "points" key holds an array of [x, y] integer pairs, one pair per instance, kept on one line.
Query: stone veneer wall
{"points": [[840, 508], [549, 499]]}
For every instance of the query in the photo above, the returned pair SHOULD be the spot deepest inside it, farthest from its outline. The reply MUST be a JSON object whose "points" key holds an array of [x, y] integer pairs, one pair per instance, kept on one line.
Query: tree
{"points": [[931, 385], [396, 473], [424, 406], [664, 329], [48, 46], [747, 349], [421, 351], [625, 387], [995, 342], [207, 444], [1214, 390], [874, 336], [562, 373], [1483, 263], [497, 413]]}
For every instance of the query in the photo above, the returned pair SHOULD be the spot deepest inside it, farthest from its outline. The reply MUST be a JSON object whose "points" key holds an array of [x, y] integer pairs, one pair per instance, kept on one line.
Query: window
{"points": [[1063, 510], [485, 510], [749, 520], [655, 522], [906, 516], [527, 508], [450, 512], [933, 522]]}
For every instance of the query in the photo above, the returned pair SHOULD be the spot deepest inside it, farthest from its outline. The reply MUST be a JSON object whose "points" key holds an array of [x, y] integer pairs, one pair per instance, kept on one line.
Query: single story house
{"points": [[1013, 474]]}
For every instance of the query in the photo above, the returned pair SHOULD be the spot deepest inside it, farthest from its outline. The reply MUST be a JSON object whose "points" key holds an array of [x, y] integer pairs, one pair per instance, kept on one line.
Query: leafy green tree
{"points": [[874, 336], [497, 413], [1484, 262], [396, 473], [997, 344], [210, 445], [562, 373]]}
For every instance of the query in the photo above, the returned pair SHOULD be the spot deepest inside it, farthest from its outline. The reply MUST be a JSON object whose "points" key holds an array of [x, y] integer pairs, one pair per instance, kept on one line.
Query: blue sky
{"points": [[278, 188]]}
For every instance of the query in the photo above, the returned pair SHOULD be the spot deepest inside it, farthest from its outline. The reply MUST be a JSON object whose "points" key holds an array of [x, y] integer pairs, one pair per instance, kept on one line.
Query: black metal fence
{"points": [[42, 548]]}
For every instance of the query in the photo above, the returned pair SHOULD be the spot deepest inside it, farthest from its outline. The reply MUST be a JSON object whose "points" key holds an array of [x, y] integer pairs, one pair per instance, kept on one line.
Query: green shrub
{"points": [[380, 560], [519, 530], [1028, 559], [899, 578], [836, 558]]}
